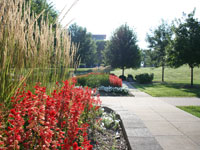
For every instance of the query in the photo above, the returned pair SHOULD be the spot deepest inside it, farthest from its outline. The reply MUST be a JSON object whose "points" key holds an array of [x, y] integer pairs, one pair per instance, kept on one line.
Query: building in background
{"points": [[97, 37]]}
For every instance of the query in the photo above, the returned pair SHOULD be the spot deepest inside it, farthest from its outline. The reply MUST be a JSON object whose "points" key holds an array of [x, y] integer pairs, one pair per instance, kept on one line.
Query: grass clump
{"points": [[31, 51]]}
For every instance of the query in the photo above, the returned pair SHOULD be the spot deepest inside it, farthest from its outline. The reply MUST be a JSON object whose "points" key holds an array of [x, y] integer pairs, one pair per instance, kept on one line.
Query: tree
{"points": [[185, 47], [87, 47], [158, 41], [147, 57], [122, 50], [100, 48], [37, 6]]}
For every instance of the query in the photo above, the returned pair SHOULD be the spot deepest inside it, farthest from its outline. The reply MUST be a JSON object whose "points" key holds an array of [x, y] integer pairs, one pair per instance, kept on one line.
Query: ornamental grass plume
{"points": [[31, 51]]}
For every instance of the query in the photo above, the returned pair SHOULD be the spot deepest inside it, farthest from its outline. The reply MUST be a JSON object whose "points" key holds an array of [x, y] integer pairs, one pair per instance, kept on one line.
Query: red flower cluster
{"points": [[115, 81], [59, 121]]}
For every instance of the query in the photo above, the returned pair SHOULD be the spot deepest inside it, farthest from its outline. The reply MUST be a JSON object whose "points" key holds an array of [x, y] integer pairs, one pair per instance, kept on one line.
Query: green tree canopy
{"points": [[185, 47], [37, 6], [147, 57], [158, 41], [101, 45], [122, 50], [87, 47]]}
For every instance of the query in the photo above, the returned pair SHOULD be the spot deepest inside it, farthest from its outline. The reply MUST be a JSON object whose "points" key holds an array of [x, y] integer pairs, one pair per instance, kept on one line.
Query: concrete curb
{"points": [[121, 124], [135, 132]]}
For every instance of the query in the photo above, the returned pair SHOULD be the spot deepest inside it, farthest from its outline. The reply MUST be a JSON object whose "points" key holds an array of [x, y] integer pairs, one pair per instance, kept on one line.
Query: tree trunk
{"points": [[192, 75], [123, 71], [163, 71]]}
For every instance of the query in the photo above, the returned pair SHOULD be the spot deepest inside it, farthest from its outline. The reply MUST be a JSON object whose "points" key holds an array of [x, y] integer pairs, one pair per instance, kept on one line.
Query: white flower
{"points": [[113, 89]]}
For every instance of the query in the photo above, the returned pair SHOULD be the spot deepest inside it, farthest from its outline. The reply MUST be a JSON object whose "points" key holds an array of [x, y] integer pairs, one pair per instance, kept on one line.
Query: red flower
{"points": [[115, 81], [75, 146], [55, 121], [90, 147]]}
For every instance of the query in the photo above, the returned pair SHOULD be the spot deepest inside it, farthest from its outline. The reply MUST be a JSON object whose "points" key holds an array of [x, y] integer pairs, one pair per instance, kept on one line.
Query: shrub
{"points": [[122, 77], [39, 121], [130, 78], [144, 78], [82, 81], [93, 80]]}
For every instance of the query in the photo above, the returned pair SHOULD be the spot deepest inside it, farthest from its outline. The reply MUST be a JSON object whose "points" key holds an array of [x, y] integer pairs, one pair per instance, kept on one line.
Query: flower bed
{"points": [[95, 80], [107, 85], [108, 133], [113, 91], [59, 121], [115, 81]]}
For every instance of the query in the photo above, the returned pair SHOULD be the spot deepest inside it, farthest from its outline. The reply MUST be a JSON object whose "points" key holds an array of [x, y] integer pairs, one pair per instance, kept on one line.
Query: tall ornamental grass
{"points": [[30, 51]]}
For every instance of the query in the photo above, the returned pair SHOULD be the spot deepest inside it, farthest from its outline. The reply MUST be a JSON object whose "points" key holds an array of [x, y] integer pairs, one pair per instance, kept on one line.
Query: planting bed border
{"points": [[109, 110], [135, 131]]}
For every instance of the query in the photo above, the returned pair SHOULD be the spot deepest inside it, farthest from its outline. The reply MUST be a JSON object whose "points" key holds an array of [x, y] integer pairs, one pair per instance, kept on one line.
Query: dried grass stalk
{"points": [[29, 50]]}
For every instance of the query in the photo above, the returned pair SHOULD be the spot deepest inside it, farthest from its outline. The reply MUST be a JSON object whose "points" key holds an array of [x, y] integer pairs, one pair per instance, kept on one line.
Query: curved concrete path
{"points": [[153, 124]]}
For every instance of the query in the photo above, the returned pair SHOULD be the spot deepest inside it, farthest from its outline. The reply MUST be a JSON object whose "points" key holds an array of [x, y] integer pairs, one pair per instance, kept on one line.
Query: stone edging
{"points": [[135, 132]]}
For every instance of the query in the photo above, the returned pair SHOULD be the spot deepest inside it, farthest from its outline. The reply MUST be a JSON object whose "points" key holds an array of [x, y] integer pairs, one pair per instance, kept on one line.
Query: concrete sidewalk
{"points": [[152, 124], [181, 101], [176, 101]]}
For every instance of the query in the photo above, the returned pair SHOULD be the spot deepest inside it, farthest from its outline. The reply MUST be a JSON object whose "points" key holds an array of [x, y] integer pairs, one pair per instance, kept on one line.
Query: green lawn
{"points": [[194, 110], [179, 75], [176, 83], [169, 90]]}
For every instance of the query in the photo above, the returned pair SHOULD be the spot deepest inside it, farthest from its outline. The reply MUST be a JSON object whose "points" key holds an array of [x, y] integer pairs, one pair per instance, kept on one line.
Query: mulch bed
{"points": [[109, 139]]}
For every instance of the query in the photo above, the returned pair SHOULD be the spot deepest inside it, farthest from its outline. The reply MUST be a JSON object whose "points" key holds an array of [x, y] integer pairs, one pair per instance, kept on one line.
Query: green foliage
{"points": [[122, 50], [144, 78], [81, 81], [87, 47], [37, 6], [100, 48], [130, 78], [147, 57], [93, 80], [158, 41], [122, 77], [185, 47]]}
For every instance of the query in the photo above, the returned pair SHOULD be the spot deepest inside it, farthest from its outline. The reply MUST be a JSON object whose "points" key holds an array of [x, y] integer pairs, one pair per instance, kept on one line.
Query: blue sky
{"points": [[104, 16]]}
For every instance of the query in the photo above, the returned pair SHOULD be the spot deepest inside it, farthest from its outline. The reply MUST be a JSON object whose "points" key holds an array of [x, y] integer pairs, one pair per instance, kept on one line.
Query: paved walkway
{"points": [[153, 124], [181, 101]]}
